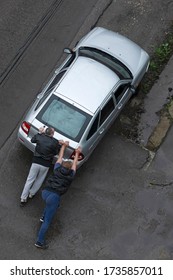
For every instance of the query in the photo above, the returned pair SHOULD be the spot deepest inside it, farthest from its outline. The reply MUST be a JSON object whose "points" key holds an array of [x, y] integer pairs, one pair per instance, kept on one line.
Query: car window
{"points": [[56, 80], [107, 110], [93, 128], [120, 92], [50, 88], [111, 62], [66, 119]]}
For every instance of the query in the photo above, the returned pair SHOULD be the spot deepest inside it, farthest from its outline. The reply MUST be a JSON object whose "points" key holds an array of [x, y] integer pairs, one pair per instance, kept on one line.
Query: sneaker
{"points": [[23, 202], [41, 246], [42, 219], [31, 195]]}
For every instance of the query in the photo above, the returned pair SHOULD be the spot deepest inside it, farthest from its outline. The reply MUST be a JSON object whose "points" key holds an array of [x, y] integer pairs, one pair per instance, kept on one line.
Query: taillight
{"points": [[25, 127], [80, 157]]}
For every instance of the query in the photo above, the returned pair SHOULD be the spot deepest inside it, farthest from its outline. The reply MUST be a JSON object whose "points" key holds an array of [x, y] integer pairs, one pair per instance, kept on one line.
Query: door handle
{"points": [[101, 130], [120, 106]]}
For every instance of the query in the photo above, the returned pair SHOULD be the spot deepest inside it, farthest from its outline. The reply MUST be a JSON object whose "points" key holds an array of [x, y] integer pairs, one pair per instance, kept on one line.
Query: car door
{"points": [[100, 124], [122, 94]]}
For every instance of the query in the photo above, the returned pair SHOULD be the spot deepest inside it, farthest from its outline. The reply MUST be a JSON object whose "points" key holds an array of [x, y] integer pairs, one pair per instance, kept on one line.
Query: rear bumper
{"points": [[26, 141]]}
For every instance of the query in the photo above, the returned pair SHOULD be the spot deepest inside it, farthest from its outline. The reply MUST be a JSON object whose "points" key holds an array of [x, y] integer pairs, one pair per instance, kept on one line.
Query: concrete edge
{"points": [[160, 131]]}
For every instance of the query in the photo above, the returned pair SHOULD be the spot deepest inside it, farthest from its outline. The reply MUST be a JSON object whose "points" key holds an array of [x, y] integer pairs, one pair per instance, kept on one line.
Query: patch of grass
{"points": [[153, 66], [163, 51], [159, 59]]}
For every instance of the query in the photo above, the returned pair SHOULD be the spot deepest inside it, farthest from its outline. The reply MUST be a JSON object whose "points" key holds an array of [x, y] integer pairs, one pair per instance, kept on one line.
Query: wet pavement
{"points": [[152, 119], [156, 199], [121, 202]]}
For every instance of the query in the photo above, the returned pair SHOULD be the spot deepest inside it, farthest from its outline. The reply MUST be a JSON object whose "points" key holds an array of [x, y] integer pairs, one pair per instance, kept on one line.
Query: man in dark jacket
{"points": [[56, 185], [46, 148]]}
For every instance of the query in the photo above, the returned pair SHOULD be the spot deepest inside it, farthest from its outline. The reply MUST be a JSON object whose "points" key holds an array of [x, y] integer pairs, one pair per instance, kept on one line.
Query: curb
{"points": [[160, 131], [158, 135], [158, 116]]}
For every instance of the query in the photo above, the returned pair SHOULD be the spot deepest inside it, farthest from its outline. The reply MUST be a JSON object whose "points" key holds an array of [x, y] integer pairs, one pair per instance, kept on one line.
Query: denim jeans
{"points": [[52, 203]]}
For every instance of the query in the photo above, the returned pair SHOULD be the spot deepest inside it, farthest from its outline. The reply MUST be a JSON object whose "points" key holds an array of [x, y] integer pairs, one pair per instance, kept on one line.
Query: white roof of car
{"points": [[87, 83]]}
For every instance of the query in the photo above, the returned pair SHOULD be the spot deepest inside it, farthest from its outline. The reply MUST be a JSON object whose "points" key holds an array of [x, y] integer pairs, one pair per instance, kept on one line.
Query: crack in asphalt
{"points": [[149, 160], [103, 11], [161, 185]]}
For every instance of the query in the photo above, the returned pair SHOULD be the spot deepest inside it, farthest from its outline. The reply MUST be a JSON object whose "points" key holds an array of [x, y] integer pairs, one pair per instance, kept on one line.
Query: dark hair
{"points": [[49, 131]]}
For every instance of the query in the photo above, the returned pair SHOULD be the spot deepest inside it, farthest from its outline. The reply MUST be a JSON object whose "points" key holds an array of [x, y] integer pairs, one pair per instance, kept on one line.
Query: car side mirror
{"points": [[68, 51]]}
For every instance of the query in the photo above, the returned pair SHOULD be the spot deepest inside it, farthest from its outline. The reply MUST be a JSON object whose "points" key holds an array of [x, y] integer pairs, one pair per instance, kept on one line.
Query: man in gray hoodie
{"points": [[46, 148]]}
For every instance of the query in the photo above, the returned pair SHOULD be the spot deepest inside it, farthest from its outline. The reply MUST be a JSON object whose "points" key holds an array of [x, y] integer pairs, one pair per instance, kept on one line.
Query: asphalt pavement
{"points": [[157, 135], [163, 159], [120, 205], [156, 122]]}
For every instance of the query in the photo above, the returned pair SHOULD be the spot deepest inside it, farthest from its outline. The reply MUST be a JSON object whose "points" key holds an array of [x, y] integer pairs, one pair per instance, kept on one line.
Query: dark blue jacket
{"points": [[60, 181]]}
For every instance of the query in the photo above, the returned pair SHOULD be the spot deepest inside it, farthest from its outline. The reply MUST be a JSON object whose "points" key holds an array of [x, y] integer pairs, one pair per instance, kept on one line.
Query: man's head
{"points": [[66, 167], [67, 164], [49, 131]]}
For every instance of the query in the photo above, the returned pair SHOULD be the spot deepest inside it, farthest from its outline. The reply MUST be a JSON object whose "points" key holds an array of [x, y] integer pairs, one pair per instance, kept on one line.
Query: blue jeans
{"points": [[52, 203]]}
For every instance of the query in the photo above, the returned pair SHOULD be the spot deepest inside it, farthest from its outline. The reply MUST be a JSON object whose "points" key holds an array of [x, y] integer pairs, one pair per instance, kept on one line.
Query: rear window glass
{"points": [[66, 119], [111, 62]]}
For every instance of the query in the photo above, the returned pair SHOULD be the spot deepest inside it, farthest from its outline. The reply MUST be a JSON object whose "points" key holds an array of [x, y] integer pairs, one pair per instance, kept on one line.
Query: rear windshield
{"points": [[65, 118], [111, 62]]}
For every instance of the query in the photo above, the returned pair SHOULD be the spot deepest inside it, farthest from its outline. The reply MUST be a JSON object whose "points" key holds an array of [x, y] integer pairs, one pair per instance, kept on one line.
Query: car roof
{"points": [[87, 83]]}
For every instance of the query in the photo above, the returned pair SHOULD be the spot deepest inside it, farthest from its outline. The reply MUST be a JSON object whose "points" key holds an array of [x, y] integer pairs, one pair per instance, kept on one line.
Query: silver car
{"points": [[87, 92]]}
